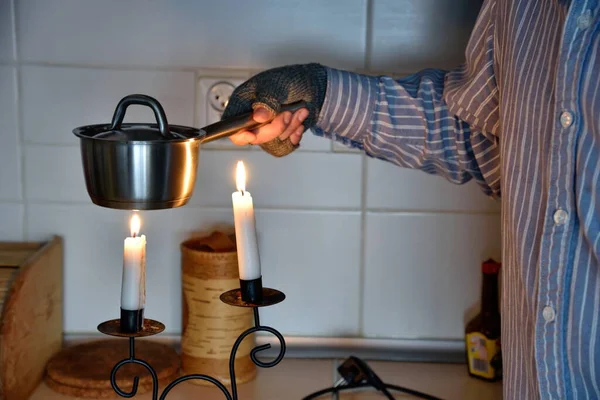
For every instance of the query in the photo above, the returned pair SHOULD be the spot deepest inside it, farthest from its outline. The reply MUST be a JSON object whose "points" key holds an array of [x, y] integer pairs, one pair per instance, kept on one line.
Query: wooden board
{"points": [[32, 316]]}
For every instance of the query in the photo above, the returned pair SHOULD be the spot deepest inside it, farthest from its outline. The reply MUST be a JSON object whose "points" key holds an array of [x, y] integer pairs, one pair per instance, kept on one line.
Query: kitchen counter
{"points": [[295, 378]]}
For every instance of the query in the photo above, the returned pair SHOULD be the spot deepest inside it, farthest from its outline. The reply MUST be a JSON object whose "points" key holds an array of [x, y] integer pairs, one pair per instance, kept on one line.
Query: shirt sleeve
{"points": [[443, 123]]}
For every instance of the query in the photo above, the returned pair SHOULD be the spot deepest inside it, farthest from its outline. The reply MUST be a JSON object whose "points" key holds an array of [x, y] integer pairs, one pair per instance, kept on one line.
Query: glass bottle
{"points": [[482, 333]]}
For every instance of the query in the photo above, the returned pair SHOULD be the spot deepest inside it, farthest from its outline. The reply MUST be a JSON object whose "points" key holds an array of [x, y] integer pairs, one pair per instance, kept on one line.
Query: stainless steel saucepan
{"points": [[138, 166]]}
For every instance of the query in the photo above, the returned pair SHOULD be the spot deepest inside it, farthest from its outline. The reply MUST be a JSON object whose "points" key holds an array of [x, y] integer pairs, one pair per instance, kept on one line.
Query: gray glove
{"points": [[283, 85]]}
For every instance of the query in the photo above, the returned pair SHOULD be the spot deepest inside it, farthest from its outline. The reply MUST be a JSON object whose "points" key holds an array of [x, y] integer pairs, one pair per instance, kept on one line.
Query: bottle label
{"points": [[481, 352]]}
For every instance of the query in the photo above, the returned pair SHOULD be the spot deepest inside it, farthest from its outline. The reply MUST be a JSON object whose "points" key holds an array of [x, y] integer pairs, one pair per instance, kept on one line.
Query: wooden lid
{"points": [[84, 370]]}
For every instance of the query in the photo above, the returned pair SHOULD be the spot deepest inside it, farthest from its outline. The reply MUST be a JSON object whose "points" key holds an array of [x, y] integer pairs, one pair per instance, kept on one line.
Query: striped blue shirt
{"points": [[521, 117]]}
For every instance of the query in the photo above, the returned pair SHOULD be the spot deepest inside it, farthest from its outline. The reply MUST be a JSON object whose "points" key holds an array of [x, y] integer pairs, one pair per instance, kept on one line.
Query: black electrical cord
{"points": [[357, 374], [334, 390]]}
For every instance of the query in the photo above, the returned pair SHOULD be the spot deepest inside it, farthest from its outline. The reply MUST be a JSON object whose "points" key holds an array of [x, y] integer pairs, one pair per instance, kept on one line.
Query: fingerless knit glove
{"points": [[283, 85]]}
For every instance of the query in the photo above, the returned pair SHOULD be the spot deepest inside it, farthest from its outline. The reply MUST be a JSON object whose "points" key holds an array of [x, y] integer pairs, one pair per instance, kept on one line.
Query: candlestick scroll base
{"points": [[151, 327]]}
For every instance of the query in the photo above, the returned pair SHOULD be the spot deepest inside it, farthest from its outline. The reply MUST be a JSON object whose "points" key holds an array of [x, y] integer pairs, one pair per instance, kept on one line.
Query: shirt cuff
{"points": [[348, 107]]}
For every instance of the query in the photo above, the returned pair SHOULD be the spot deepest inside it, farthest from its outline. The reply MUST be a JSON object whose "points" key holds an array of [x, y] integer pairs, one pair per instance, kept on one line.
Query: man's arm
{"points": [[443, 123]]}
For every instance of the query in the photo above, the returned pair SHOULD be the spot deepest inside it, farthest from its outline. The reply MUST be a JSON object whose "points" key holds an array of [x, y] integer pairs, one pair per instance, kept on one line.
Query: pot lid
{"points": [[139, 132]]}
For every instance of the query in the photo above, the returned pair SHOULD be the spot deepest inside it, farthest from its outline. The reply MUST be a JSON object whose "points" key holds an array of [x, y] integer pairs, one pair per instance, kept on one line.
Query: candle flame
{"points": [[241, 176], [134, 225]]}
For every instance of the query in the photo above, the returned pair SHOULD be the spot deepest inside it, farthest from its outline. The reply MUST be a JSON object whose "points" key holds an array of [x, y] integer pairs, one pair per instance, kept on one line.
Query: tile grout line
{"points": [[363, 183], [215, 148], [205, 71], [9, 201], [13, 16], [401, 211], [369, 35], [299, 209], [196, 99], [210, 70], [84, 203], [19, 120], [363, 245]]}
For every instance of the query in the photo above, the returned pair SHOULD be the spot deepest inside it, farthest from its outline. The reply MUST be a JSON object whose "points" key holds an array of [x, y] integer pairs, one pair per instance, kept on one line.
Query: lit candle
{"points": [[245, 228], [133, 289]]}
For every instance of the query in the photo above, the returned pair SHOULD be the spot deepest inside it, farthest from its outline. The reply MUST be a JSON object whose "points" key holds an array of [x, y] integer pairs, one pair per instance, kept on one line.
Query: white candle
{"points": [[133, 289], [245, 228]]}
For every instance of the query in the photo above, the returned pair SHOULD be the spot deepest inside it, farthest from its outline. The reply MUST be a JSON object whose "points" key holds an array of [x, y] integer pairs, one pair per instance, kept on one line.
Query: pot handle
{"points": [[143, 100], [229, 126]]}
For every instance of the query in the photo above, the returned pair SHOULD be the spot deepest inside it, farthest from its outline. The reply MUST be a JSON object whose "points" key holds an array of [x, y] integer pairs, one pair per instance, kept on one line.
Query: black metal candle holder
{"points": [[236, 297]]}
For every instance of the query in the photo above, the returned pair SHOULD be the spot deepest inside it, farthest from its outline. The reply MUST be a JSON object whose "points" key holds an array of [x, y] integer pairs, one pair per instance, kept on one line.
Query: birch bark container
{"points": [[211, 327]]}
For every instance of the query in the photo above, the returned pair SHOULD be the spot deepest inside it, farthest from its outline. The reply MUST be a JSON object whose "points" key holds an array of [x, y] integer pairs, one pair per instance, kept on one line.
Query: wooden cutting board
{"points": [[84, 370], [31, 278]]}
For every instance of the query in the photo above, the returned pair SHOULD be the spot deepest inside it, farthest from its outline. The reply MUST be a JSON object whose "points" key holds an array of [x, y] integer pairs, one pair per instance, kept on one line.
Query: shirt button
{"points": [[566, 119], [585, 20], [560, 217], [548, 314]]}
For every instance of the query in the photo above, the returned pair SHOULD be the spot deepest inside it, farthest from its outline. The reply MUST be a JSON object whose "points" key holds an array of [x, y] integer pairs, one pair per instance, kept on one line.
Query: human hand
{"points": [[266, 92], [283, 126]]}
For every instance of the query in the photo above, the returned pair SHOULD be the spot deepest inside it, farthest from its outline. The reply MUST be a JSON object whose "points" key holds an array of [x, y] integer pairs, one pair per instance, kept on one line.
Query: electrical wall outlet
{"points": [[219, 94], [213, 95]]}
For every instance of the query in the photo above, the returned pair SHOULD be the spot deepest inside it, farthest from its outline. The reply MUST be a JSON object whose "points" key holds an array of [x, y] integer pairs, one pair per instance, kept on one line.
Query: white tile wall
{"points": [[312, 142], [94, 256], [299, 180], [54, 173], [56, 100], [6, 31], [359, 246], [423, 272], [409, 35], [10, 164], [300, 252], [253, 34], [11, 221], [390, 187], [313, 257]]}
